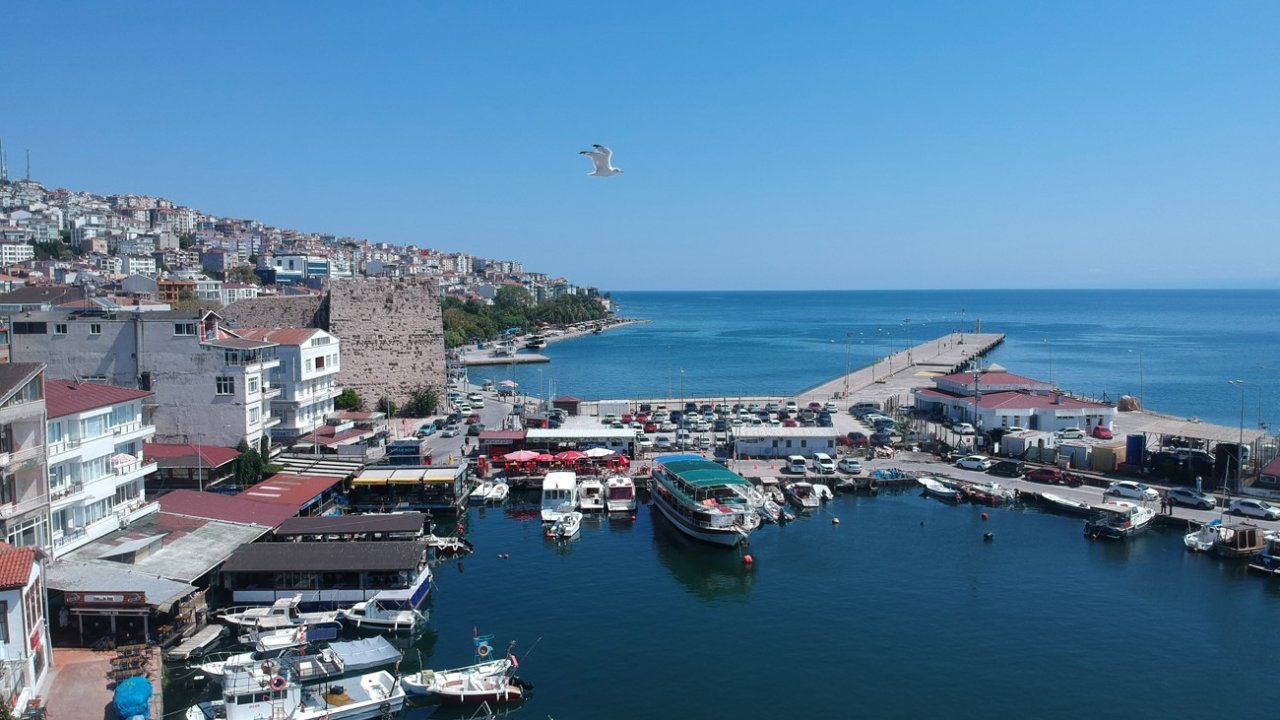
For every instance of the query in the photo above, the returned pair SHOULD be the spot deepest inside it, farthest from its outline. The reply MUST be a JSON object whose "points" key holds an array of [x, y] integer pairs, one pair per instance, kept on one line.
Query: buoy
{"points": [[986, 516], [988, 537], [921, 523], [835, 521], [747, 560]]}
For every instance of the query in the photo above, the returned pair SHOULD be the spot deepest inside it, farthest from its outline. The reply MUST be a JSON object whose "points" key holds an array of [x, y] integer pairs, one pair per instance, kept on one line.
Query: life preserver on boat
{"points": [[384, 708], [483, 649], [279, 683]]}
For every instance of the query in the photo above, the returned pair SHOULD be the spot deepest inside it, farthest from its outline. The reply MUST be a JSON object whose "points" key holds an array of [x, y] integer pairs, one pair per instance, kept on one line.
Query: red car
{"points": [[815, 406], [790, 423], [1054, 476], [473, 418], [626, 418], [1102, 433], [651, 427]]}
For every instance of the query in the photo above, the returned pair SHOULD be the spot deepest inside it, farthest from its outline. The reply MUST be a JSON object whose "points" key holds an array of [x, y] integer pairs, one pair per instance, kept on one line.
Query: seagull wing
{"points": [[599, 159]]}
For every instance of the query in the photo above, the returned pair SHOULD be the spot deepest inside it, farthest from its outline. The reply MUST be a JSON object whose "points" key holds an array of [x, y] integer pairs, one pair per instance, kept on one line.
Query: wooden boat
{"points": [[1240, 540], [1267, 562], [1066, 505], [275, 690], [1203, 538], [939, 489], [1118, 521], [488, 680]]}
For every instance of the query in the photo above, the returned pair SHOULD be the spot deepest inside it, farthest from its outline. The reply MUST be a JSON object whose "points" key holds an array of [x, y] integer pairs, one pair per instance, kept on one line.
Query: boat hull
{"points": [[1104, 531], [727, 537]]}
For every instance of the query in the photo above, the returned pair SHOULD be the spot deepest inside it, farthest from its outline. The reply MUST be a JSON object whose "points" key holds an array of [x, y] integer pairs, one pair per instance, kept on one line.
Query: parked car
{"points": [[790, 423], [426, 430], [1074, 433], [1008, 468], [475, 429], [450, 431], [792, 406], [882, 438], [823, 463], [473, 418], [849, 465], [975, 462], [1191, 498], [831, 407], [796, 464], [1054, 476], [772, 407], [1131, 489], [645, 442], [1101, 432], [963, 428], [1254, 508], [662, 443]]}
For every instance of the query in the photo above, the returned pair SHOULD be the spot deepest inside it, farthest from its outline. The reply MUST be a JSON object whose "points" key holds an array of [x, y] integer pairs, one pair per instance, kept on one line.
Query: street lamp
{"points": [[1141, 406], [848, 340], [1240, 445]]}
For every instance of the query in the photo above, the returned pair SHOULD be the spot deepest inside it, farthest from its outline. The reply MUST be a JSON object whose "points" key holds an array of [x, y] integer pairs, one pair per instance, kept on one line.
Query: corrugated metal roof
{"points": [[290, 489], [335, 557], [339, 524], [69, 397], [227, 508], [768, 431], [75, 576]]}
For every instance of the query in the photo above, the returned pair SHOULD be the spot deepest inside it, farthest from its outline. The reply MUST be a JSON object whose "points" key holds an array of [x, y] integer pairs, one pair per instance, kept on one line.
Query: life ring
{"points": [[279, 683], [873, 485], [384, 708], [483, 650]]}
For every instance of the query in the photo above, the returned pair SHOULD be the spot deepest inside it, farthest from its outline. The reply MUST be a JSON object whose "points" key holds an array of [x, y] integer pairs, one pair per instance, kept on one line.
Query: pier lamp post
{"points": [[1240, 445], [1141, 405], [541, 387], [848, 342]]}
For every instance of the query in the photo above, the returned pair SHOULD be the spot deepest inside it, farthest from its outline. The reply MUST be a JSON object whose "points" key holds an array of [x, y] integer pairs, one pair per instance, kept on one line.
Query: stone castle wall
{"points": [[392, 331]]}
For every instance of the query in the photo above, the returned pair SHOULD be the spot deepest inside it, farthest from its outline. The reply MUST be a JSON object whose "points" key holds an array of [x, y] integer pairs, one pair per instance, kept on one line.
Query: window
{"points": [[6, 438], [60, 329], [226, 385], [4, 621], [253, 416], [8, 489], [253, 384], [30, 328], [320, 362], [184, 329], [95, 328]]}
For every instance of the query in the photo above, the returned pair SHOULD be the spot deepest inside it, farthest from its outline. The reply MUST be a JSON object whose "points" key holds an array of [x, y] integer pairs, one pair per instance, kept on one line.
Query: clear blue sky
{"points": [[765, 144]]}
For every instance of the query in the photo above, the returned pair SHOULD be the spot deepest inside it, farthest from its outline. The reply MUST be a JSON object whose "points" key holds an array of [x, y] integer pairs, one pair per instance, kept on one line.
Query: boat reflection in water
{"points": [[703, 570]]}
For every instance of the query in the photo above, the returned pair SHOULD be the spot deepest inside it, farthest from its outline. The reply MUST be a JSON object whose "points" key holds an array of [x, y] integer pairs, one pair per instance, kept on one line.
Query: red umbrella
{"points": [[520, 456], [545, 457], [570, 456]]}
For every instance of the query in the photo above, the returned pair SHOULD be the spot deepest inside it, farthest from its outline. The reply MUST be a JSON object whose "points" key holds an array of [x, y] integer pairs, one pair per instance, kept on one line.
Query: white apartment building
{"points": [[12, 253], [96, 468], [24, 626], [233, 291], [138, 265], [24, 489], [307, 377]]}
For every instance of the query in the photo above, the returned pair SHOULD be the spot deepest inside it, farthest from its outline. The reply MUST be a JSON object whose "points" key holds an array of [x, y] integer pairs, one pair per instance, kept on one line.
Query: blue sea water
{"points": [[1175, 348]]}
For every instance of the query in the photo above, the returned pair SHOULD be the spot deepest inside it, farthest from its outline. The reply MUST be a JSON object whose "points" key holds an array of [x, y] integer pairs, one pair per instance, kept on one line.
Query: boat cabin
{"points": [[559, 495]]}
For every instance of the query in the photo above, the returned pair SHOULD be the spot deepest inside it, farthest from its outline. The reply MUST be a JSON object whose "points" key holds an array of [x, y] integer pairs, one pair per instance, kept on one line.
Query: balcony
{"points": [[270, 421], [123, 465], [65, 491], [271, 392]]}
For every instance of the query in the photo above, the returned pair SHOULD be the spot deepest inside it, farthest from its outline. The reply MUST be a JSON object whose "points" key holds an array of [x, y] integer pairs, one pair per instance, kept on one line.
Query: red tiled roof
{"points": [[989, 378], [1012, 399], [290, 489], [68, 397], [228, 508], [15, 566], [176, 453], [280, 336]]}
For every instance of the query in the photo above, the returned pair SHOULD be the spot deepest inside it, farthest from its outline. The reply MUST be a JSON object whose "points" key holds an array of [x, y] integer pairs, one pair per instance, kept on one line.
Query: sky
{"points": [[766, 145]]}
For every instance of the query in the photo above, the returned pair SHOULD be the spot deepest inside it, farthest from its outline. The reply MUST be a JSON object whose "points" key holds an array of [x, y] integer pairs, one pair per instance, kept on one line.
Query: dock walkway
{"points": [[197, 643]]}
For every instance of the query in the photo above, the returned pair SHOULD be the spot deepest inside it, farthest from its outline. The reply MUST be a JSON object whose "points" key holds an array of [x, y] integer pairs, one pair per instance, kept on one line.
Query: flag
{"points": [[514, 662]]}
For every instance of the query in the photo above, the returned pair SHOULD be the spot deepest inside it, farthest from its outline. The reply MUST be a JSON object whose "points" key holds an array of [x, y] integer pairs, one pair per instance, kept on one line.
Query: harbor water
{"points": [[1174, 349]]}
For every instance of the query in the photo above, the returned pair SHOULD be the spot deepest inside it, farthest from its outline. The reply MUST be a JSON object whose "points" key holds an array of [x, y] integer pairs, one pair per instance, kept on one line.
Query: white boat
{"points": [[1066, 504], [383, 613], [274, 690], [481, 492], [591, 495], [939, 489], [704, 500], [620, 494], [559, 495], [266, 646], [567, 526], [802, 495], [823, 492], [487, 680], [282, 613], [498, 494], [1203, 538], [1118, 520]]}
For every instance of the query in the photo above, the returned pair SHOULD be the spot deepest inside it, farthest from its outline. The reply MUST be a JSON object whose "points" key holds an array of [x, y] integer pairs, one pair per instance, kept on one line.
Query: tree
{"points": [[52, 250], [243, 274], [513, 299], [349, 400], [250, 466], [386, 405], [185, 240], [423, 402]]}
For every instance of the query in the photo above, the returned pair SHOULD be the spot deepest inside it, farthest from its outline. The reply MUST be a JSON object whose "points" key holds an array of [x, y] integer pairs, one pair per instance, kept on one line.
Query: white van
{"points": [[796, 464], [822, 463]]}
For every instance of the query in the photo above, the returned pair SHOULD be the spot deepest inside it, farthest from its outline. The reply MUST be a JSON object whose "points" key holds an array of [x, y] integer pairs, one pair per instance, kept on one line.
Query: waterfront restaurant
{"points": [[327, 574], [438, 488], [374, 527]]}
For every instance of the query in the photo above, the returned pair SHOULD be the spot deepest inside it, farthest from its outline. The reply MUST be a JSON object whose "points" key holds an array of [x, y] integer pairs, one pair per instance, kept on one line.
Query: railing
{"points": [[126, 428]]}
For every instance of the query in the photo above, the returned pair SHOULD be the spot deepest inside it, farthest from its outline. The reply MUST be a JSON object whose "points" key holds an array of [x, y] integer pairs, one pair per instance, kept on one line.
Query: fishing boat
{"points": [[274, 690], [620, 494], [383, 612], [802, 495], [336, 658], [1118, 521], [481, 492], [559, 495], [282, 613], [499, 494], [1267, 562], [1203, 538], [1239, 540], [567, 527], [1066, 505], [939, 489], [591, 495], [266, 646], [704, 500], [488, 680]]}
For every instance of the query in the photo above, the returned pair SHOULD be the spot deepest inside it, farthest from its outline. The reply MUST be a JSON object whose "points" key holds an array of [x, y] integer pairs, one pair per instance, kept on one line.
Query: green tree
{"points": [[513, 299], [250, 466], [185, 240], [243, 274], [349, 400], [423, 402], [52, 250], [386, 405]]}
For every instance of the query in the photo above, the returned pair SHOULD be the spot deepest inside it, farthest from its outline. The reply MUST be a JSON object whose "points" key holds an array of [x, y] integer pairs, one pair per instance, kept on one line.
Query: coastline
{"points": [[606, 326]]}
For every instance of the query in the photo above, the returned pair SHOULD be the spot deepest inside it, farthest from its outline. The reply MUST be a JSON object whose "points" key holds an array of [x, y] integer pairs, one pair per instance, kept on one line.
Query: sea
{"points": [[902, 609]]}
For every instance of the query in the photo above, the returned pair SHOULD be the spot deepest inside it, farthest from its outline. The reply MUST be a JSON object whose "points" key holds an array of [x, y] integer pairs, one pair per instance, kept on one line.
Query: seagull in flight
{"points": [[600, 157]]}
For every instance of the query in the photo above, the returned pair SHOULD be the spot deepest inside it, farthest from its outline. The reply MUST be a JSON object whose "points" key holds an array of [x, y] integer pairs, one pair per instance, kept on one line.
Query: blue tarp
{"points": [[133, 698]]}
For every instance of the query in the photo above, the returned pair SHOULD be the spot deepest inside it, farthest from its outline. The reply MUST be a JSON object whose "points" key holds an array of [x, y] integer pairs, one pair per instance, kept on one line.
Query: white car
{"points": [[831, 408], [792, 407], [644, 441], [1070, 434], [1254, 508], [1131, 489], [850, 465], [823, 463], [772, 407], [975, 462], [450, 431], [963, 428]]}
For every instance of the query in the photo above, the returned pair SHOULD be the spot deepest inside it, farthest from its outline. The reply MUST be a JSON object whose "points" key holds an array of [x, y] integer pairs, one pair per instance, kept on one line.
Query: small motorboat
{"points": [[591, 495], [1203, 538], [481, 492], [498, 494], [488, 680], [620, 494], [823, 492], [939, 489], [283, 613], [1240, 540], [802, 495], [381, 613], [566, 527], [1066, 505]]}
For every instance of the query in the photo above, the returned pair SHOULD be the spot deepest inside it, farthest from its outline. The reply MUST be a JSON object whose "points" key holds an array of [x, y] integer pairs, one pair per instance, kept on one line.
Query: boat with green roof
{"points": [[704, 500]]}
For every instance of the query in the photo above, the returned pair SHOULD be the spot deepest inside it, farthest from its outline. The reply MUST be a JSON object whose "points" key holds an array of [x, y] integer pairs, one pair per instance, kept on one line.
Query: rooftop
{"points": [[227, 508], [69, 397], [701, 473], [406, 522], [290, 489], [190, 547], [185, 455], [239, 344], [80, 576], [14, 376], [387, 556], [279, 336], [15, 565]]}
